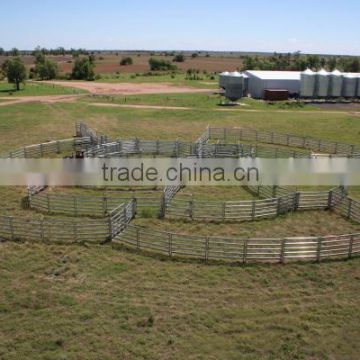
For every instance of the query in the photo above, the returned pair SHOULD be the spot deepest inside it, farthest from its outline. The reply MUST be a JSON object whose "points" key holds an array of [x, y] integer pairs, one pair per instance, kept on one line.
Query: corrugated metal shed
{"points": [[261, 80]]}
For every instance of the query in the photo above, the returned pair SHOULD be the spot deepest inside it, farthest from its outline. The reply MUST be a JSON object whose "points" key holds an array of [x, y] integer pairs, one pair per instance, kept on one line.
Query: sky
{"points": [[325, 27]]}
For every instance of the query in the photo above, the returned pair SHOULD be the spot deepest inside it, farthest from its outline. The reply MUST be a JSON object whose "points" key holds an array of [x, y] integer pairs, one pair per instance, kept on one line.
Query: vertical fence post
{"points": [[253, 210], [351, 242], [191, 209], [105, 206], [11, 226], [110, 226], [245, 250], [330, 199], [348, 215], [318, 250], [138, 238], [162, 206], [170, 244], [207, 248], [282, 251], [75, 232], [297, 200], [278, 206], [134, 207], [42, 230]]}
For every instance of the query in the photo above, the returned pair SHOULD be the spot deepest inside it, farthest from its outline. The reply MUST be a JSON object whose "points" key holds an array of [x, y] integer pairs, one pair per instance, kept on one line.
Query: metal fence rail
{"points": [[95, 206], [275, 201], [68, 231], [49, 148], [123, 148], [240, 249], [304, 142]]}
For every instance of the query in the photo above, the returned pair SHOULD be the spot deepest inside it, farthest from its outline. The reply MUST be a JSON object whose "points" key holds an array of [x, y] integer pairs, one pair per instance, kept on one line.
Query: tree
{"points": [[194, 55], [83, 70], [2, 51], [47, 70], [179, 58], [161, 65], [15, 71], [354, 65], [15, 52], [126, 61]]}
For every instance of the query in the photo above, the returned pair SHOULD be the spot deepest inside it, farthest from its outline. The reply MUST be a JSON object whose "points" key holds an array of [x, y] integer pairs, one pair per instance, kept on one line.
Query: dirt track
{"points": [[127, 88], [49, 99]]}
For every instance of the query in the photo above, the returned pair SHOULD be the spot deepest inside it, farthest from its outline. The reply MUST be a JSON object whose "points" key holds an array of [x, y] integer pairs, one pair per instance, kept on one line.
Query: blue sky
{"points": [[273, 25]]}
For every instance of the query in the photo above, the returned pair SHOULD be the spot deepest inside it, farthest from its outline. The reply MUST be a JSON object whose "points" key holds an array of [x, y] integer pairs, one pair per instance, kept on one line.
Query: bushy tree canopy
{"points": [[161, 65], [15, 71], [126, 61], [83, 69]]}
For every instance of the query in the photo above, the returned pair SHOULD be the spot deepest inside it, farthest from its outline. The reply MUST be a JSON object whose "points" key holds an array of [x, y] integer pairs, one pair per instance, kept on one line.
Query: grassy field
{"points": [[91, 302]]}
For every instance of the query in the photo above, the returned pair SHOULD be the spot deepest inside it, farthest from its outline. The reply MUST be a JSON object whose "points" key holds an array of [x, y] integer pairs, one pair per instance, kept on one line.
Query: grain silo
{"points": [[307, 83], [349, 85], [322, 84], [234, 78], [336, 83], [235, 88], [223, 78]]}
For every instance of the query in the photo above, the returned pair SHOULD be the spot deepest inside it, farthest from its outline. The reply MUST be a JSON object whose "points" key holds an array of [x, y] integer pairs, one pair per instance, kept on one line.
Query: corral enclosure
{"points": [[149, 303]]}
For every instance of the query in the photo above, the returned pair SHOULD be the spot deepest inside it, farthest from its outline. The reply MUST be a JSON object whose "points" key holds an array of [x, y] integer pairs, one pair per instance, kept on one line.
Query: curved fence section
{"points": [[68, 231], [122, 148], [49, 148], [240, 249], [95, 206], [232, 210], [304, 142], [249, 210]]}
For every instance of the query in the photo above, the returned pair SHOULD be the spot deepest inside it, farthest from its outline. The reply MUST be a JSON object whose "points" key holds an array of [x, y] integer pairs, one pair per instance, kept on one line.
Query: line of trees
{"points": [[297, 61]]}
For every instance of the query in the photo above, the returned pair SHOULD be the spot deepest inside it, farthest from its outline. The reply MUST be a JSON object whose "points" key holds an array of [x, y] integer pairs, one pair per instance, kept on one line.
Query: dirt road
{"points": [[49, 99]]}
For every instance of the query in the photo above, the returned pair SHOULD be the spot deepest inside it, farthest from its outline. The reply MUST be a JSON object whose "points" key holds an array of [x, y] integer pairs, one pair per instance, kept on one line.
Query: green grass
{"points": [[84, 303], [178, 79], [76, 302], [36, 89], [201, 101]]}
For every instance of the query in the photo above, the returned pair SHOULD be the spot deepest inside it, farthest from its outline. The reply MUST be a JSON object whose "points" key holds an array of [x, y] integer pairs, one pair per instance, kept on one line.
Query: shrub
{"points": [[83, 70], [126, 61], [179, 58], [161, 65]]}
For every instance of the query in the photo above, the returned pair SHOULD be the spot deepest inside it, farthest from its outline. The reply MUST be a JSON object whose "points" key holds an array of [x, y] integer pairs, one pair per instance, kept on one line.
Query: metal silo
{"points": [[322, 84], [235, 88], [349, 86], [223, 78], [235, 78], [307, 83], [336, 83]]}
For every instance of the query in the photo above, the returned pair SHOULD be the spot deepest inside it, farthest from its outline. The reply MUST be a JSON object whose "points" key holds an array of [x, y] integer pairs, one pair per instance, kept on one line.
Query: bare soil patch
{"points": [[127, 88], [43, 99]]}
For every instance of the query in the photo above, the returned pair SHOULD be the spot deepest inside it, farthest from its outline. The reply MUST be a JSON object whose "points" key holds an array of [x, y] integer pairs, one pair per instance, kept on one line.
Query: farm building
{"points": [[279, 85], [259, 81]]}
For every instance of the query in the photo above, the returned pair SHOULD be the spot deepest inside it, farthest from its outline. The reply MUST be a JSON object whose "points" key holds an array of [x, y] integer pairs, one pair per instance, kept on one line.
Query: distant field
{"points": [[110, 63]]}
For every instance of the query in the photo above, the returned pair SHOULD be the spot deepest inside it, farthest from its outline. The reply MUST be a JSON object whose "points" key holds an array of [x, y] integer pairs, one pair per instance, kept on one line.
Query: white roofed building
{"points": [[280, 80]]}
